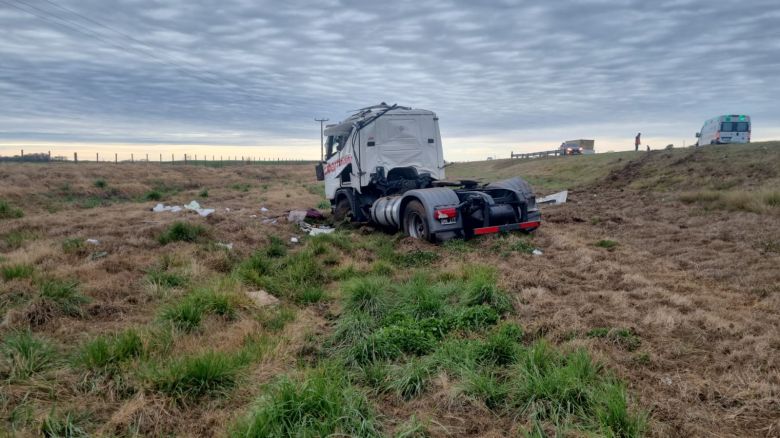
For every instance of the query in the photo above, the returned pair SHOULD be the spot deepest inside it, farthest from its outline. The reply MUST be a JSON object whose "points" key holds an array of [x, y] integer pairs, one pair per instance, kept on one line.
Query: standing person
{"points": [[637, 141]]}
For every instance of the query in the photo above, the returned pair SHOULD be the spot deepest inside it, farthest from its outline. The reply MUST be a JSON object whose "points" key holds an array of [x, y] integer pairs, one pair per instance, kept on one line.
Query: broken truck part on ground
{"points": [[385, 165]]}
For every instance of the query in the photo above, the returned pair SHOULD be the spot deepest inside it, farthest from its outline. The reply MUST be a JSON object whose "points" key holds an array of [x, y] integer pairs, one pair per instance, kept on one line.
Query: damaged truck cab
{"points": [[384, 165]]}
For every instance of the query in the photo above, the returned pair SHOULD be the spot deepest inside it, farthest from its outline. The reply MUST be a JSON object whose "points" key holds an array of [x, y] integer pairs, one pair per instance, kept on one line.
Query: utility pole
{"points": [[322, 139]]}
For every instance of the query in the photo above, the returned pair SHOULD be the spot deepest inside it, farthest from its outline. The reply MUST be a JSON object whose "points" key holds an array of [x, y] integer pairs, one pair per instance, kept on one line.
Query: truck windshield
{"points": [[335, 143], [734, 127]]}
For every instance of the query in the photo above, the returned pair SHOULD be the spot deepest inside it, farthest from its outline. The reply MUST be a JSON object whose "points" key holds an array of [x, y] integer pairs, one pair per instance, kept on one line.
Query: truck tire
{"points": [[343, 210], [416, 223]]}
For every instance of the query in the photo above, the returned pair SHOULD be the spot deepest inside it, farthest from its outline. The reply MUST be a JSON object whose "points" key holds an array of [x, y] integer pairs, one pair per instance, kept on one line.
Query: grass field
{"points": [[652, 312]]}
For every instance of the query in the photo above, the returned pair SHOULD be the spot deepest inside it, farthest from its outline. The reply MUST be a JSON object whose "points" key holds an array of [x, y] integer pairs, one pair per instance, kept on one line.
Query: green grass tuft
{"points": [[486, 386], [481, 288], [55, 426], [391, 342], [153, 195], [475, 318], [276, 247], [501, 347], [25, 355], [101, 183], [624, 338], [416, 258], [607, 244], [297, 276], [163, 278], [182, 232], [74, 245], [366, 294], [10, 272], [410, 380], [321, 404], [188, 313], [190, 377], [64, 296], [103, 352], [7, 211]]}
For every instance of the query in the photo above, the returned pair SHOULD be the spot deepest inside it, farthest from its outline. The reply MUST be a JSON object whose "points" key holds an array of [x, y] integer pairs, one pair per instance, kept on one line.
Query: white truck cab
{"points": [[384, 165], [381, 137]]}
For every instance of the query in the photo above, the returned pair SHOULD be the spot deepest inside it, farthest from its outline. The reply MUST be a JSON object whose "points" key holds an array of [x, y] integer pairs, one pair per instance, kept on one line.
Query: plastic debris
{"points": [[554, 199], [263, 209], [194, 206], [253, 215], [271, 221], [313, 231], [537, 252], [98, 255], [296, 216], [93, 241], [225, 245], [313, 213], [294, 239], [159, 208]]}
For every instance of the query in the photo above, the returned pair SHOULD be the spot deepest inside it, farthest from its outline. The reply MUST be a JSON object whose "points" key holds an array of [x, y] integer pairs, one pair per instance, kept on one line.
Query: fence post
{"points": [[49, 155], [97, 157], [185, 158], [147, 158], [160, 158], [22, 153], [116, 158], [75, 157], [132, 158], [171, 158]]}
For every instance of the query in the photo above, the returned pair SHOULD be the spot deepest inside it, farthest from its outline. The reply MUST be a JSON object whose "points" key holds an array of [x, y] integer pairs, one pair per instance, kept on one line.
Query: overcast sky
{"points": [[249, 75]]}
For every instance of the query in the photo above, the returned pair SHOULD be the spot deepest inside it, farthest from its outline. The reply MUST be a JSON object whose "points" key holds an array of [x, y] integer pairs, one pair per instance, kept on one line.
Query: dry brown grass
{"points": [[698, 288]]}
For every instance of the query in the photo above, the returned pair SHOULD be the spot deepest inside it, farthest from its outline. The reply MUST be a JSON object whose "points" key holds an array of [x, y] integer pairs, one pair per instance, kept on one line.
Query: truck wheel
{"points": [[343, 210], [416, 222]]}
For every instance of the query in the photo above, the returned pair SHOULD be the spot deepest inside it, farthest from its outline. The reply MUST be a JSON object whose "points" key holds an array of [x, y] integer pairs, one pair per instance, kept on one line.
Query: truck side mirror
{"points": [[320, 171], [698, 134]]}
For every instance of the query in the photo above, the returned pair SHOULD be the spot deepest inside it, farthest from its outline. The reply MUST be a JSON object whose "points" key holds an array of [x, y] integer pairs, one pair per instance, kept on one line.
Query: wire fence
{"points": [[212, 160]]}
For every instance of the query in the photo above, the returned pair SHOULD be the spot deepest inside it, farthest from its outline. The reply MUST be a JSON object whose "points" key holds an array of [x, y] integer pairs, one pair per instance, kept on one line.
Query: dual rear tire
{"points": [[416, 223]]}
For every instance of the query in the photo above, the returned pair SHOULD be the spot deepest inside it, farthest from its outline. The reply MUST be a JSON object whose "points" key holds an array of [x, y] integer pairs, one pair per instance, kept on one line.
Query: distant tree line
{"points": [[32, 158]]}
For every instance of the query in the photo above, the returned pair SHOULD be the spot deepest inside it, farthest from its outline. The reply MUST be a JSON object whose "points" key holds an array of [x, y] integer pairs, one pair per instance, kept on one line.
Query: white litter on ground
{"points": [[313, 231], [263, 209], [225, 245], [296, 216], [194, 206], [554, 199], [93, 241], [294, 239], [159, 208], [537, 252]]}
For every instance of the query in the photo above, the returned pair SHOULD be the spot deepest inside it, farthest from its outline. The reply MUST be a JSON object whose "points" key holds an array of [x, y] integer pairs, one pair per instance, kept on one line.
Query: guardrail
{"points": [[542, 154]]}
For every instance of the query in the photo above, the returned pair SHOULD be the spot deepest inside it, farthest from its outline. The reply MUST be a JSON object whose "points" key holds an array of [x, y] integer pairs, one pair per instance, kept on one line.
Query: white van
{"points": [[725, 129]]}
